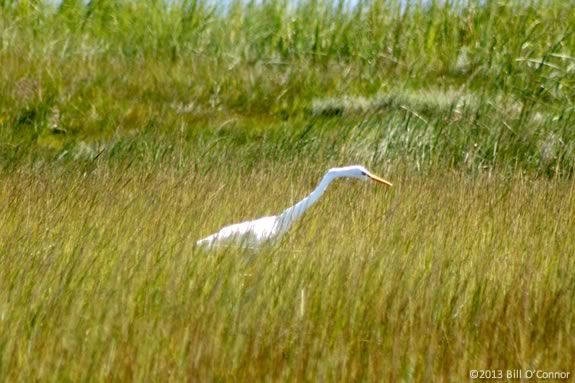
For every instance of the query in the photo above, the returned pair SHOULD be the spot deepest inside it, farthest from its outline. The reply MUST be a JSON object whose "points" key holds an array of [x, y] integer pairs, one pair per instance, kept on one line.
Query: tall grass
{"points": [[498, 74], [420, 282], [129, 129]]}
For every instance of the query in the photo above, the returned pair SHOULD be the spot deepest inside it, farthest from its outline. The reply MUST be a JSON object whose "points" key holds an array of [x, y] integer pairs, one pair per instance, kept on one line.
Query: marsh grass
{"points": [[423, 281], [495, 75], [130, 129]]}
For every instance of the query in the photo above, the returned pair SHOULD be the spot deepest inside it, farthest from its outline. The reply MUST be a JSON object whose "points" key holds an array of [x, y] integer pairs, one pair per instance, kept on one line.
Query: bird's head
{"points": [[356, 171]]}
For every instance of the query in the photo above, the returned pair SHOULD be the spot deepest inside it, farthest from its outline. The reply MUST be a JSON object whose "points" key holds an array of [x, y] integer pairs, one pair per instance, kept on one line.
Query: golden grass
{"points": [[421, 282]]}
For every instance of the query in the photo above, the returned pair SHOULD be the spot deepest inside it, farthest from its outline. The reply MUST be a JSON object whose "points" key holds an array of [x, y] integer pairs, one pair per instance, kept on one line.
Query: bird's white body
{"points": [[249, 233], [254, 233]]}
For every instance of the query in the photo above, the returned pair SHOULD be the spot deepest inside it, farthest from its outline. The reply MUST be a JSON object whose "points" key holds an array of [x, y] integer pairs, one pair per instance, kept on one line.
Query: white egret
{"points": [[256, 232]]}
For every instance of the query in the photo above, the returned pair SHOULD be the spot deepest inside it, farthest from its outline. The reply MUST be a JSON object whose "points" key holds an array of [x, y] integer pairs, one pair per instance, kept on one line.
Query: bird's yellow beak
{"points": [[380, 180]]}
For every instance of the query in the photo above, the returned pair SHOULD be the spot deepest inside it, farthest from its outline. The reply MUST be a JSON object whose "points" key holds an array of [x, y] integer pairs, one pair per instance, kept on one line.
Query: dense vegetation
{"points": [[129, 129], [467, 84]]}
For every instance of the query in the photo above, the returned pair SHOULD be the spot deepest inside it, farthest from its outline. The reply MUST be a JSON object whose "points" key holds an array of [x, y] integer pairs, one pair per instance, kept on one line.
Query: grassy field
{"points": [[421, 282], [130, 129]]}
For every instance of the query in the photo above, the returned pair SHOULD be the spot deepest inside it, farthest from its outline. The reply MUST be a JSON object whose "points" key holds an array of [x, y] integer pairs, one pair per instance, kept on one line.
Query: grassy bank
{"points": [[476, 85]]}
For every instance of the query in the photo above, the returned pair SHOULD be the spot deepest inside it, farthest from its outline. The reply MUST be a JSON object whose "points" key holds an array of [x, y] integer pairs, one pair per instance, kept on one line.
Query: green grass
{"points": [[495, 79], [130, 129]]}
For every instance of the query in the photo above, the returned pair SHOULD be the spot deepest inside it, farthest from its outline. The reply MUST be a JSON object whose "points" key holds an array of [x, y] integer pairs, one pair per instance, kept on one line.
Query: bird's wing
{"points": [[249, 232]]}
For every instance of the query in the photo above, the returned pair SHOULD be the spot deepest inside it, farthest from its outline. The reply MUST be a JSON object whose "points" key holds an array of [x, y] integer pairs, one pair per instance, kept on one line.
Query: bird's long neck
{"points": [[291, 214]]}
